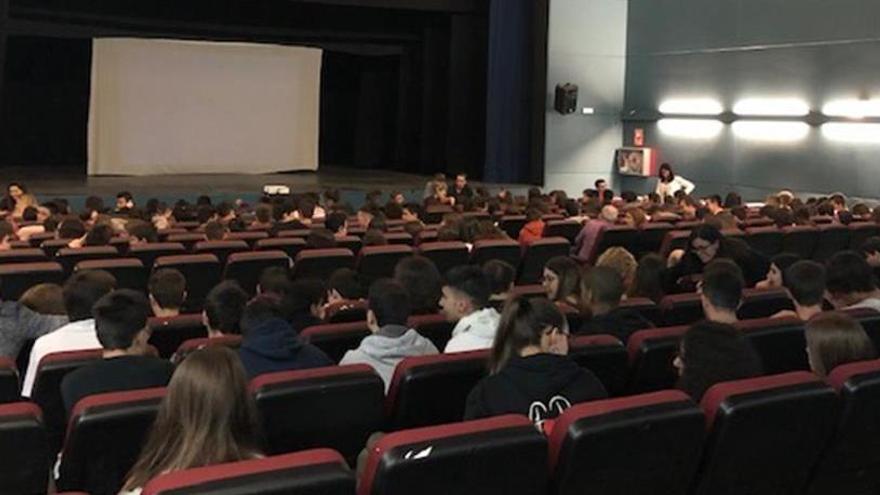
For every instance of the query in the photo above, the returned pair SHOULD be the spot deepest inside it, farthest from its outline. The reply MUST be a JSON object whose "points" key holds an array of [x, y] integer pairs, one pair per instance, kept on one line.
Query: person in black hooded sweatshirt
{"points": [[530, 372]]}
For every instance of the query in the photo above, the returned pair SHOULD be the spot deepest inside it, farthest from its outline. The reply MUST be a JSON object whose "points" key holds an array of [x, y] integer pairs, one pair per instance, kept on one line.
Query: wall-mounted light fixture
{"points": [[771, 107], [851, 132], [769, 131], [852, 109], [691, 106], [691, 128]]}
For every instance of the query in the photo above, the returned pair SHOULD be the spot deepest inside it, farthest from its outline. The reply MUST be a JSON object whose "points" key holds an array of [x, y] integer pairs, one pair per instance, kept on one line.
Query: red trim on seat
{"points": [[42, 266], [7, 363], [418, 361], [186, 259], [230, 470], [192, 345], [86, 250], [60, 357], [309, 254], [638, 302], [767, 323], [16, 409], [594, 340], [300, 375], [387, 249], [844, 372], [109, 263], [675, 299], [486, 244], [179, 320], [550, 241], [602, 407], [416, 321], [112, 399], [244, 257], [717, 394], [430, 433], [333, 328], [638, 338], [442, 246]]}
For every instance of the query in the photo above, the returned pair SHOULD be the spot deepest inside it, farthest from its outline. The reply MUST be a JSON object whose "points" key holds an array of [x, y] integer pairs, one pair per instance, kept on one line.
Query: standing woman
{"points": [[669, 183], [17, 199]]}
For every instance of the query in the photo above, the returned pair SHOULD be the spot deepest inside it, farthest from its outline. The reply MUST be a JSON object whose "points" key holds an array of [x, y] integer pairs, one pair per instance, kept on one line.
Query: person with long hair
{"points": [[835, 338], [530, 372], [561, 280], [711, 353], [669, 183], [706, 243], [778, 265], [207, 417]]}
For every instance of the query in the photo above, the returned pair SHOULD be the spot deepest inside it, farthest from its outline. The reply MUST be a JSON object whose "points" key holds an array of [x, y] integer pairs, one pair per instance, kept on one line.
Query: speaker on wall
{"points": [[566, 98]]}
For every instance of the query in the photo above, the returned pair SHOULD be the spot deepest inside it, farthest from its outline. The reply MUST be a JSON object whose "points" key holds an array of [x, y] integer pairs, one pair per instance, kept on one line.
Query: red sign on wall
{"points": [[639, 137]]}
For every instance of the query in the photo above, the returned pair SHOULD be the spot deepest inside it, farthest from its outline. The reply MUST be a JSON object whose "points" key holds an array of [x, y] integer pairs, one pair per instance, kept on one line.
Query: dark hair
{"points": [[848, 272], [421, 279], [6, 229], [142, 230], [260, 310], [304, 294], [29, 214], [500, 274], [393, 211], [119, 316], [714, 198], [835, 338], [723, 284], [599, 181], [168, 288], [706, 232], [125, 194], [649, 278], [784, 260], [523, 322], [307, 207], [320, 238], [94, 203], [389, 301], [374, 237], [346, 282], [714, 353], [100, 235], [732, 199], [871, 245], [668, 168], [214, 231], [71, 228], [335, 221], [275, 280], [224, 306], [264, 213], [805, 280], [470, 281], [569, 273], [83, 289], [605, 285]]}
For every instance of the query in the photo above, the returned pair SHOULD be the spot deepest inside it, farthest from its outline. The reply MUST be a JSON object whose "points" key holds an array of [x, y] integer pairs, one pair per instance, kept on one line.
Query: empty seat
{"points": [[426, 236], [763, 303], [614, 236], [104, 438], [445, 255], [221, 249], [128, 272], [69, 257], [765, 434], [766, 240], [779, 341], [188, 239], [681, 309], [24, 449], [23, 255], [335, 339], [605, 356], [833, 238], [504, 250], [149, 252], [246, 268], [644, 444], [674, 239], [290, 245], [800, 240], [434, 327], [192, 345], [337, 407], [17, 278], [9, 381], [536, 256], [201, 271], [321, 263], [167, 334], [432, 390], [375, 262], [504, 455], [512, 224], [861, 232], [568, 229], [251, 237], [650, 358], [851, 463], [313, 472]]}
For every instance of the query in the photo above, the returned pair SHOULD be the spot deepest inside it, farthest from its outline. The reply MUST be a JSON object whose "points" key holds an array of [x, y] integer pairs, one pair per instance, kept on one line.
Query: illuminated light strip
{"points": [[757, 130], [852, 133], [691, 106], [853, 109], [691, 128], [772, 107]]}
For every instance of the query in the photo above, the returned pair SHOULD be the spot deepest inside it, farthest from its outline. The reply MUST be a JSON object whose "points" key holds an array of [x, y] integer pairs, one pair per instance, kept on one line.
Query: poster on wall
{"points": [[634, 161]]}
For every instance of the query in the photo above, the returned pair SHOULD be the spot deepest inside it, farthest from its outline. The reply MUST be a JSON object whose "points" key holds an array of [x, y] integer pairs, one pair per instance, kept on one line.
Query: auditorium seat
{"points": [[568, 229], [687, 224], [298, 233], [69, 257], [763, 303], [336, 407], [765, 434], [52, 246], [681, 309], [870, 321], [168, 333], [313, 472], [24, 449], [128, 272], [766, 240], [861, 232], [645, 307], [201, 271], [504, 455], [22, 255], [192, 345], [434, 327], [650, 238], [188, 239], [650, 358], [149, 252], [536, 256], [398, 238], [643, 444], [605, 356], [779, 341], [375, 262], [335, 339], [614, 236], [833, 238], [122, 245], [251, 237], [445, 255], [512, 224], [291, 245], [345, 311], [19, 277], [105, 434], [35, 240], [432, 390], [46, 392], [9, 381], [434, 213], [757, 222], [800, 240], [675, 239], [321, 263], [502, 249], [425, 236], [246, 268], [221, 249], [169, 231], [822, 219], [350, 242], [851, 463]]}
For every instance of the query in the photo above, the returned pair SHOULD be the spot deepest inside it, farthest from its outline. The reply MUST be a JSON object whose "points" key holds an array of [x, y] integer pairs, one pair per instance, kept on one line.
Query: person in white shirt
{"points": [[850, 284], [669, 183], [465, 297], [81, 292]]}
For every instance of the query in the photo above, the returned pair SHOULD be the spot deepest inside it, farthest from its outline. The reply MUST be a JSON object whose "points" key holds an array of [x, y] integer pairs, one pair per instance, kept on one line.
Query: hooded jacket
{"points": [[475, 331], [539, 386], [389, 346], [619, 322], [275, 346]]}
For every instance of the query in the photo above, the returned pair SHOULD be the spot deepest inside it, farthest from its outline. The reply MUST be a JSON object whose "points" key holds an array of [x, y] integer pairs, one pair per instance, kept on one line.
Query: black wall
{"points": [[817, 50]]}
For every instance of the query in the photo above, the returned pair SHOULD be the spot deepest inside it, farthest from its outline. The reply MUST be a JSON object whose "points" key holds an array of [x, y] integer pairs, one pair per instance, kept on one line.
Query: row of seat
{"points": [[786, 433]]}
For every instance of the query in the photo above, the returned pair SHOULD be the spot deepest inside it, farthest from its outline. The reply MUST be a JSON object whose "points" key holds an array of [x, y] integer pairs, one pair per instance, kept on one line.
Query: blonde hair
{"points": [[836, 338], [621, 261]]}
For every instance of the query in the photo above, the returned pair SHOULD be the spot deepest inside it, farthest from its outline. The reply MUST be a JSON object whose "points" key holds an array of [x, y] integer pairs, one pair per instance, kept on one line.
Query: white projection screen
{"points": [[181, 107]]}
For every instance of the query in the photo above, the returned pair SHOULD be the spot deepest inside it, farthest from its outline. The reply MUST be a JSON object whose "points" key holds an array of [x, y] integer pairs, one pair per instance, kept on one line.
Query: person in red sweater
{"points": [[533, 229]]}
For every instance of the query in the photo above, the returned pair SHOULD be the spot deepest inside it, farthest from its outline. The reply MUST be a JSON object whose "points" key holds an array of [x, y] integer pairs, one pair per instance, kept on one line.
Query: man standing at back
{"points": [[465, 298]]}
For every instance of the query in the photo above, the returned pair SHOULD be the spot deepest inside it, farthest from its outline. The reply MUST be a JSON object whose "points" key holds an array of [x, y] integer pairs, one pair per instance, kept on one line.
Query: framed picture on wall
{"points": [[633, 161]]}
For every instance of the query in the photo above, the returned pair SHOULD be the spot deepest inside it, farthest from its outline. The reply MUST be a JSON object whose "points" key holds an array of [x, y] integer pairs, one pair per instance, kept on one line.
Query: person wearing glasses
{"points": [[530, 372]]}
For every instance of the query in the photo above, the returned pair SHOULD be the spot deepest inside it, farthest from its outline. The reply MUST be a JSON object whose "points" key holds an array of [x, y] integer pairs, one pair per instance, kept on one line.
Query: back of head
{"points": [[784, 260], [259, 311], [167, 286], [389, 302], [142, 230], [224, 306], [620, 260], [119, 317], [649, 277], [568, 272], [609, 213], [346, 283], [835, 338], [523, 321], [71, 228], [335, 221], [605, 286], [848, 273], [6, 230], [215, 231], [706, 232], [805, 281], [275, 280], [263, 213], [470, 282], [303, 294], [871, 245], [47, 299], [723, 284], [83, 289], [500, 274], [321, 239], [421, 279], [713, 353]]}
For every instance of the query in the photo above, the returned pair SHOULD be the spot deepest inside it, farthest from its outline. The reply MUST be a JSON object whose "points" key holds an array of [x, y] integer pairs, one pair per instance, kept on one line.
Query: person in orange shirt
{"points": [[533, 229]]}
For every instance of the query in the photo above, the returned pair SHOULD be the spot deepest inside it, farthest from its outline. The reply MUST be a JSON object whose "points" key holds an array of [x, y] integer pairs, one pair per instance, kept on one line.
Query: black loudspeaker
{"points": [[566, 98]]}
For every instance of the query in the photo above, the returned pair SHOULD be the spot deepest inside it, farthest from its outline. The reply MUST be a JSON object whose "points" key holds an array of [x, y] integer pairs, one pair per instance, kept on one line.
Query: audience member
{"points": [[713, 204], [871, 251], [721, 291], [603, 292], [778, 265], [465, 298], [141, 232], [7, 235], [344, 286], [337, 223], [44, 299], [263, 217], [167, 288], [374, 237], [274, 280], [533, 230], [320, 238], [621, 261], [601, 186], [850, 282], [711, 353], [706, 244], [121, 325], [124, 202], [422, 281], [224, 306], [71, 228], [805, 283], [215, 231], [304, 304], [585, 242], [561, 280], [834, 339], [501, 276], [530, 372], [649, 278], [461, 190]]}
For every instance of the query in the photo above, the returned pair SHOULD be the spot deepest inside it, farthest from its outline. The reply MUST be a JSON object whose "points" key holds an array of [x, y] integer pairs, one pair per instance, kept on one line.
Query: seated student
{"points": [[533, 230], [28, 319], [304, 304], [711, 353], [167, 288], [871, 250], [850, 282], [263, 217], [465, 298], [422, 281], [834, 339], [320, 238], [621, 261], [344, 285], [805, 284], [224, 306], [501, 276], [562, 281], [141, 232], [530, 372], [778, 265], [392, 340], [721, 291], [648, 280], [215, 231], [121, 324], [274, 280], [602, 292], [586, 239], [270, 343], [81, 291], [44, 299], [337, 223], [207, 417]]}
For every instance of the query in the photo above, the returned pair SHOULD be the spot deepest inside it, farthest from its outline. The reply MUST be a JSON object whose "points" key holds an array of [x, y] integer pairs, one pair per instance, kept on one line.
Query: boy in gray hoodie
{"points": [[388, 309]]}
